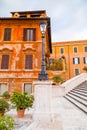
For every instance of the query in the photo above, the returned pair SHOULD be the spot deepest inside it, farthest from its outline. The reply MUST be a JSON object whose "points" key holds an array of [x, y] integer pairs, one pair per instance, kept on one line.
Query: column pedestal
{"points": [[42, 104]]}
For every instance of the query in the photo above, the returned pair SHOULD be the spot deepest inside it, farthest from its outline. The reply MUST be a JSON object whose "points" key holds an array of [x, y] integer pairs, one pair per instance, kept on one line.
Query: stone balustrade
{"points": [[74, 82]]}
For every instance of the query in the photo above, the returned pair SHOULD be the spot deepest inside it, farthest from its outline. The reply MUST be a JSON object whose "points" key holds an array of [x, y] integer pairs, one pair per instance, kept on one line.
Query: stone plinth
{"points": [[42, 104]]}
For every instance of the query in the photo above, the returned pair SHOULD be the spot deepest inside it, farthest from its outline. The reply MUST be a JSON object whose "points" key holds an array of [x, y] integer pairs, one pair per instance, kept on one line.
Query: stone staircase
{"points": [[78, 96]]}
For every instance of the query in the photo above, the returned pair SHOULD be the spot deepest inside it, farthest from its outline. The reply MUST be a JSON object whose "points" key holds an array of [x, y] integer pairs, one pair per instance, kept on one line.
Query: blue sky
{"points": [[68, 17]]}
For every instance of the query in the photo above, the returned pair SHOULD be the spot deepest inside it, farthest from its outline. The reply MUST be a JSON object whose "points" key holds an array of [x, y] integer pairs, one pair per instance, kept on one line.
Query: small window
{"points": [[75, 49], [85, 60], [61, 50], [5, 62], [7, 34], [28, 61], [85, 49], [76, 72], [76, 60], [28, 88], [29, 34], [3, 88]]}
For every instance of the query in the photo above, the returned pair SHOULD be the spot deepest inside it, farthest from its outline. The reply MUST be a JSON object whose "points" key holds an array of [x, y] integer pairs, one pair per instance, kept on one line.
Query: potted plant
{"points": [[21, 102], [6, 123], [3, 106], [57, 79]]}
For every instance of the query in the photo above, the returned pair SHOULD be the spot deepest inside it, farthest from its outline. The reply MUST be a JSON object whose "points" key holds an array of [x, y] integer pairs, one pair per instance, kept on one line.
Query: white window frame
{"points": [[76, 60]]}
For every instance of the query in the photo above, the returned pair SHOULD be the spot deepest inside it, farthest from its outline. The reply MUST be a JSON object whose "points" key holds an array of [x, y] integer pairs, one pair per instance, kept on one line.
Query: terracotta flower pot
{"points": [[20, 113]]}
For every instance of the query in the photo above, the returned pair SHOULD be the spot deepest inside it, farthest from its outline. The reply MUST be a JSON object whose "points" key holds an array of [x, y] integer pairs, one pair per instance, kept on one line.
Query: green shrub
{"points": [[57, 79], [85, 68], [6, 95], [3, 105], [22, 101], [57, 65], [6, 123]]}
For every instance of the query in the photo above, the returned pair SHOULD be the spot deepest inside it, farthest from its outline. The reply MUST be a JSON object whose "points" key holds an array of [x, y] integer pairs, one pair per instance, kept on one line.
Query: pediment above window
{"points": [[29, 50], [6, 49]]}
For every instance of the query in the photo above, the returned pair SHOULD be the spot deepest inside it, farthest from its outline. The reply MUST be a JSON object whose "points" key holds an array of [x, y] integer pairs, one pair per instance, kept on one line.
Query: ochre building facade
{"points": [[74, 54], [21, 49]]}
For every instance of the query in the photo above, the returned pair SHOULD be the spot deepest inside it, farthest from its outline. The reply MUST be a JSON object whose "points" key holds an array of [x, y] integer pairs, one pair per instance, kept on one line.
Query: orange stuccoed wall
{"points": [[16, 77]]}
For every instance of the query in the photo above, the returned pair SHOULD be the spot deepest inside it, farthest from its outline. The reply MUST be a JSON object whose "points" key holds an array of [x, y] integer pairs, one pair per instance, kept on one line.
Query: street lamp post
{"points": [[43, 75]]}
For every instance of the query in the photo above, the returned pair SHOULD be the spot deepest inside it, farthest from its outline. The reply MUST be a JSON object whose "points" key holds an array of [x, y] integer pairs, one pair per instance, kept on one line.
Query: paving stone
{"points": [[65, 116]]}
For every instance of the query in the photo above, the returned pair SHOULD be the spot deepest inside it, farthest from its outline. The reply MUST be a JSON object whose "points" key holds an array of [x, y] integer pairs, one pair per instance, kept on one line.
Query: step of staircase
{"points": [[81, 89], [79, 95], [78, 99], [77, 104], [84, 91]]}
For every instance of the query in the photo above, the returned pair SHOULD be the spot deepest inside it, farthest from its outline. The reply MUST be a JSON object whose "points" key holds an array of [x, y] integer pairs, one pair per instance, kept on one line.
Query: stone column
{"points": [[42, 104]]}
